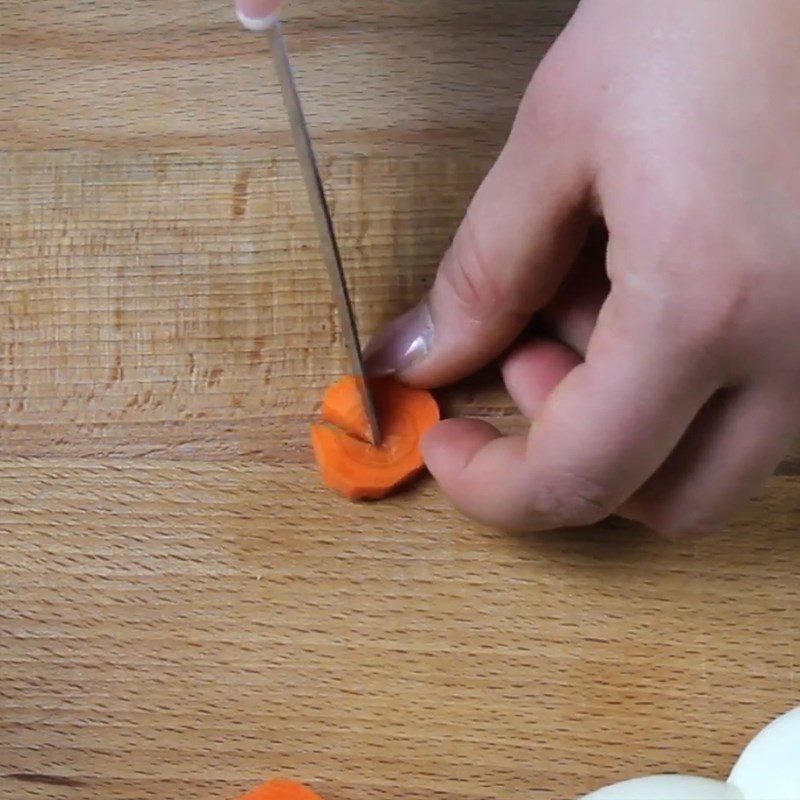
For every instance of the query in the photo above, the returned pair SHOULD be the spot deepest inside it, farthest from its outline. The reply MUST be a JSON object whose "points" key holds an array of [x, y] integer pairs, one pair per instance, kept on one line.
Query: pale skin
{"points": [[667, 388]]}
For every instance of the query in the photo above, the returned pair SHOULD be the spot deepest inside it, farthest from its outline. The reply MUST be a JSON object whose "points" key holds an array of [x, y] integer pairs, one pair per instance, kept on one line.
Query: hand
{"points": [[670, 388], [257, 15]]}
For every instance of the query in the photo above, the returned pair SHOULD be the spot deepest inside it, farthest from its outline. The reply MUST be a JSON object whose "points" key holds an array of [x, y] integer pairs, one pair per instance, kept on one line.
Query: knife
{"points": [[322, 216]]}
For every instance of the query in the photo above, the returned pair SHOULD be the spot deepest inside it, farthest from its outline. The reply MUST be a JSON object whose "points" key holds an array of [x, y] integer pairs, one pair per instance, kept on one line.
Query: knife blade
{"points": [[324, 221]]}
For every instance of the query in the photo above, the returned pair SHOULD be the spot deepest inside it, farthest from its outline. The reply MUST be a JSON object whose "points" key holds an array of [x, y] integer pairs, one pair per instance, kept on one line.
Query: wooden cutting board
{"points": [[184, 611]]}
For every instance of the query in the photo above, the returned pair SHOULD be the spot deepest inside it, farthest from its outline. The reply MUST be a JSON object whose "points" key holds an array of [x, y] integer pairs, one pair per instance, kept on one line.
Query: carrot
{"points": [[281, 790], [351, 465]]}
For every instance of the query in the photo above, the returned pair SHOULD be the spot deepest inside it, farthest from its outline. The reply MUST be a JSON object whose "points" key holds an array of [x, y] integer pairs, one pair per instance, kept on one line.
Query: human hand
{"points": [[671, 387], [257, 15]]}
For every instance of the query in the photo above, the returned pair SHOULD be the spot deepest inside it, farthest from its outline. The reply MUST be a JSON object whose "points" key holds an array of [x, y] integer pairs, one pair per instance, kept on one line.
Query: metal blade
{"points": [[319, 205]]}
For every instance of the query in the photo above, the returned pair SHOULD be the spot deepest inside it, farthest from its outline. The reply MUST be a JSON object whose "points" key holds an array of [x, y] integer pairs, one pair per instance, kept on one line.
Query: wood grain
{"points": [[183, 610]]}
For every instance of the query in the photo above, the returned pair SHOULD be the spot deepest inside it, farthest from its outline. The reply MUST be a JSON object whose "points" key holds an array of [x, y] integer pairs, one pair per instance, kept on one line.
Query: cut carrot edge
{"points": [[280, 789], [349, 464]]}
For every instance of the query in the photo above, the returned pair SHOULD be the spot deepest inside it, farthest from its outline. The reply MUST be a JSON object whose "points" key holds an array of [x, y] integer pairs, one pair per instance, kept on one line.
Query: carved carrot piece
{"points": [[349, 463]]}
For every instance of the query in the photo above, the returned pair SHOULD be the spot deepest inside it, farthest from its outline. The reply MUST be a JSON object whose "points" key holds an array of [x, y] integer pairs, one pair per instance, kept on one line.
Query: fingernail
{"points": [[257, 15], [402, 344]]}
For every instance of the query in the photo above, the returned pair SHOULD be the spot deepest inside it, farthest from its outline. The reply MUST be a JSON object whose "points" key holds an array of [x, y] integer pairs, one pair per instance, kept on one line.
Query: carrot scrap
{"points": [[281, 790], [351, 465]]}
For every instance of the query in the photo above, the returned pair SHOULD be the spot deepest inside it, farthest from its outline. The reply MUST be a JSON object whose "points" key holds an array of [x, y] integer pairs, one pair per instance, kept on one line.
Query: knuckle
{"points": [[573, 499], [470, 277], [723, 312], [729, 288], [467, 274], [708, 327]]}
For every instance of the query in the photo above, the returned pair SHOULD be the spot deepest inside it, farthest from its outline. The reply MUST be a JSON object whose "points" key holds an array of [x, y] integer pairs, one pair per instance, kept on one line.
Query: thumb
{"points": [[521, 233]]}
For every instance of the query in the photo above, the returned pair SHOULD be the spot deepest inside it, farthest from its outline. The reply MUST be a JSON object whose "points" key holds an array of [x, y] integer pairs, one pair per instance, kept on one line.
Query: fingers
{"points": [[607, 427], [728, 453], [257, 15], [517, 241], [534, 368], [571, 317], [459, 453], [533, 371]]}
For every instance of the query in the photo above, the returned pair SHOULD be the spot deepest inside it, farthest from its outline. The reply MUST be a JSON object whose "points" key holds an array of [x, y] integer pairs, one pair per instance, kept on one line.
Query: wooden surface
{"points": [[183, 610]]}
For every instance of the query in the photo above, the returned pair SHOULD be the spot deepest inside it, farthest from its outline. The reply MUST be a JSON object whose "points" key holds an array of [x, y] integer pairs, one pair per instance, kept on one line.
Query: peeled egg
{"points": [[769, 767], [667, 787]]}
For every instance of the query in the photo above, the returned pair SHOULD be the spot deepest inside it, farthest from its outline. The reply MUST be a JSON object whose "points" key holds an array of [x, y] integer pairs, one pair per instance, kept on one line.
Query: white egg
{"points": [[667, 787], [769, 767]]}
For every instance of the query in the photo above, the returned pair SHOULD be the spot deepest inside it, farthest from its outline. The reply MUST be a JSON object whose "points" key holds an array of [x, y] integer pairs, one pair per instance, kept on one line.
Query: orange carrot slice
{"points": [[359, 470], [281, 790]]}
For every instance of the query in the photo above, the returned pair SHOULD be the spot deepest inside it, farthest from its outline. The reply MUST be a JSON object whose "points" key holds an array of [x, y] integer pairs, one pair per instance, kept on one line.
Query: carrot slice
{"points": [[281, 790], [351, 465]]}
